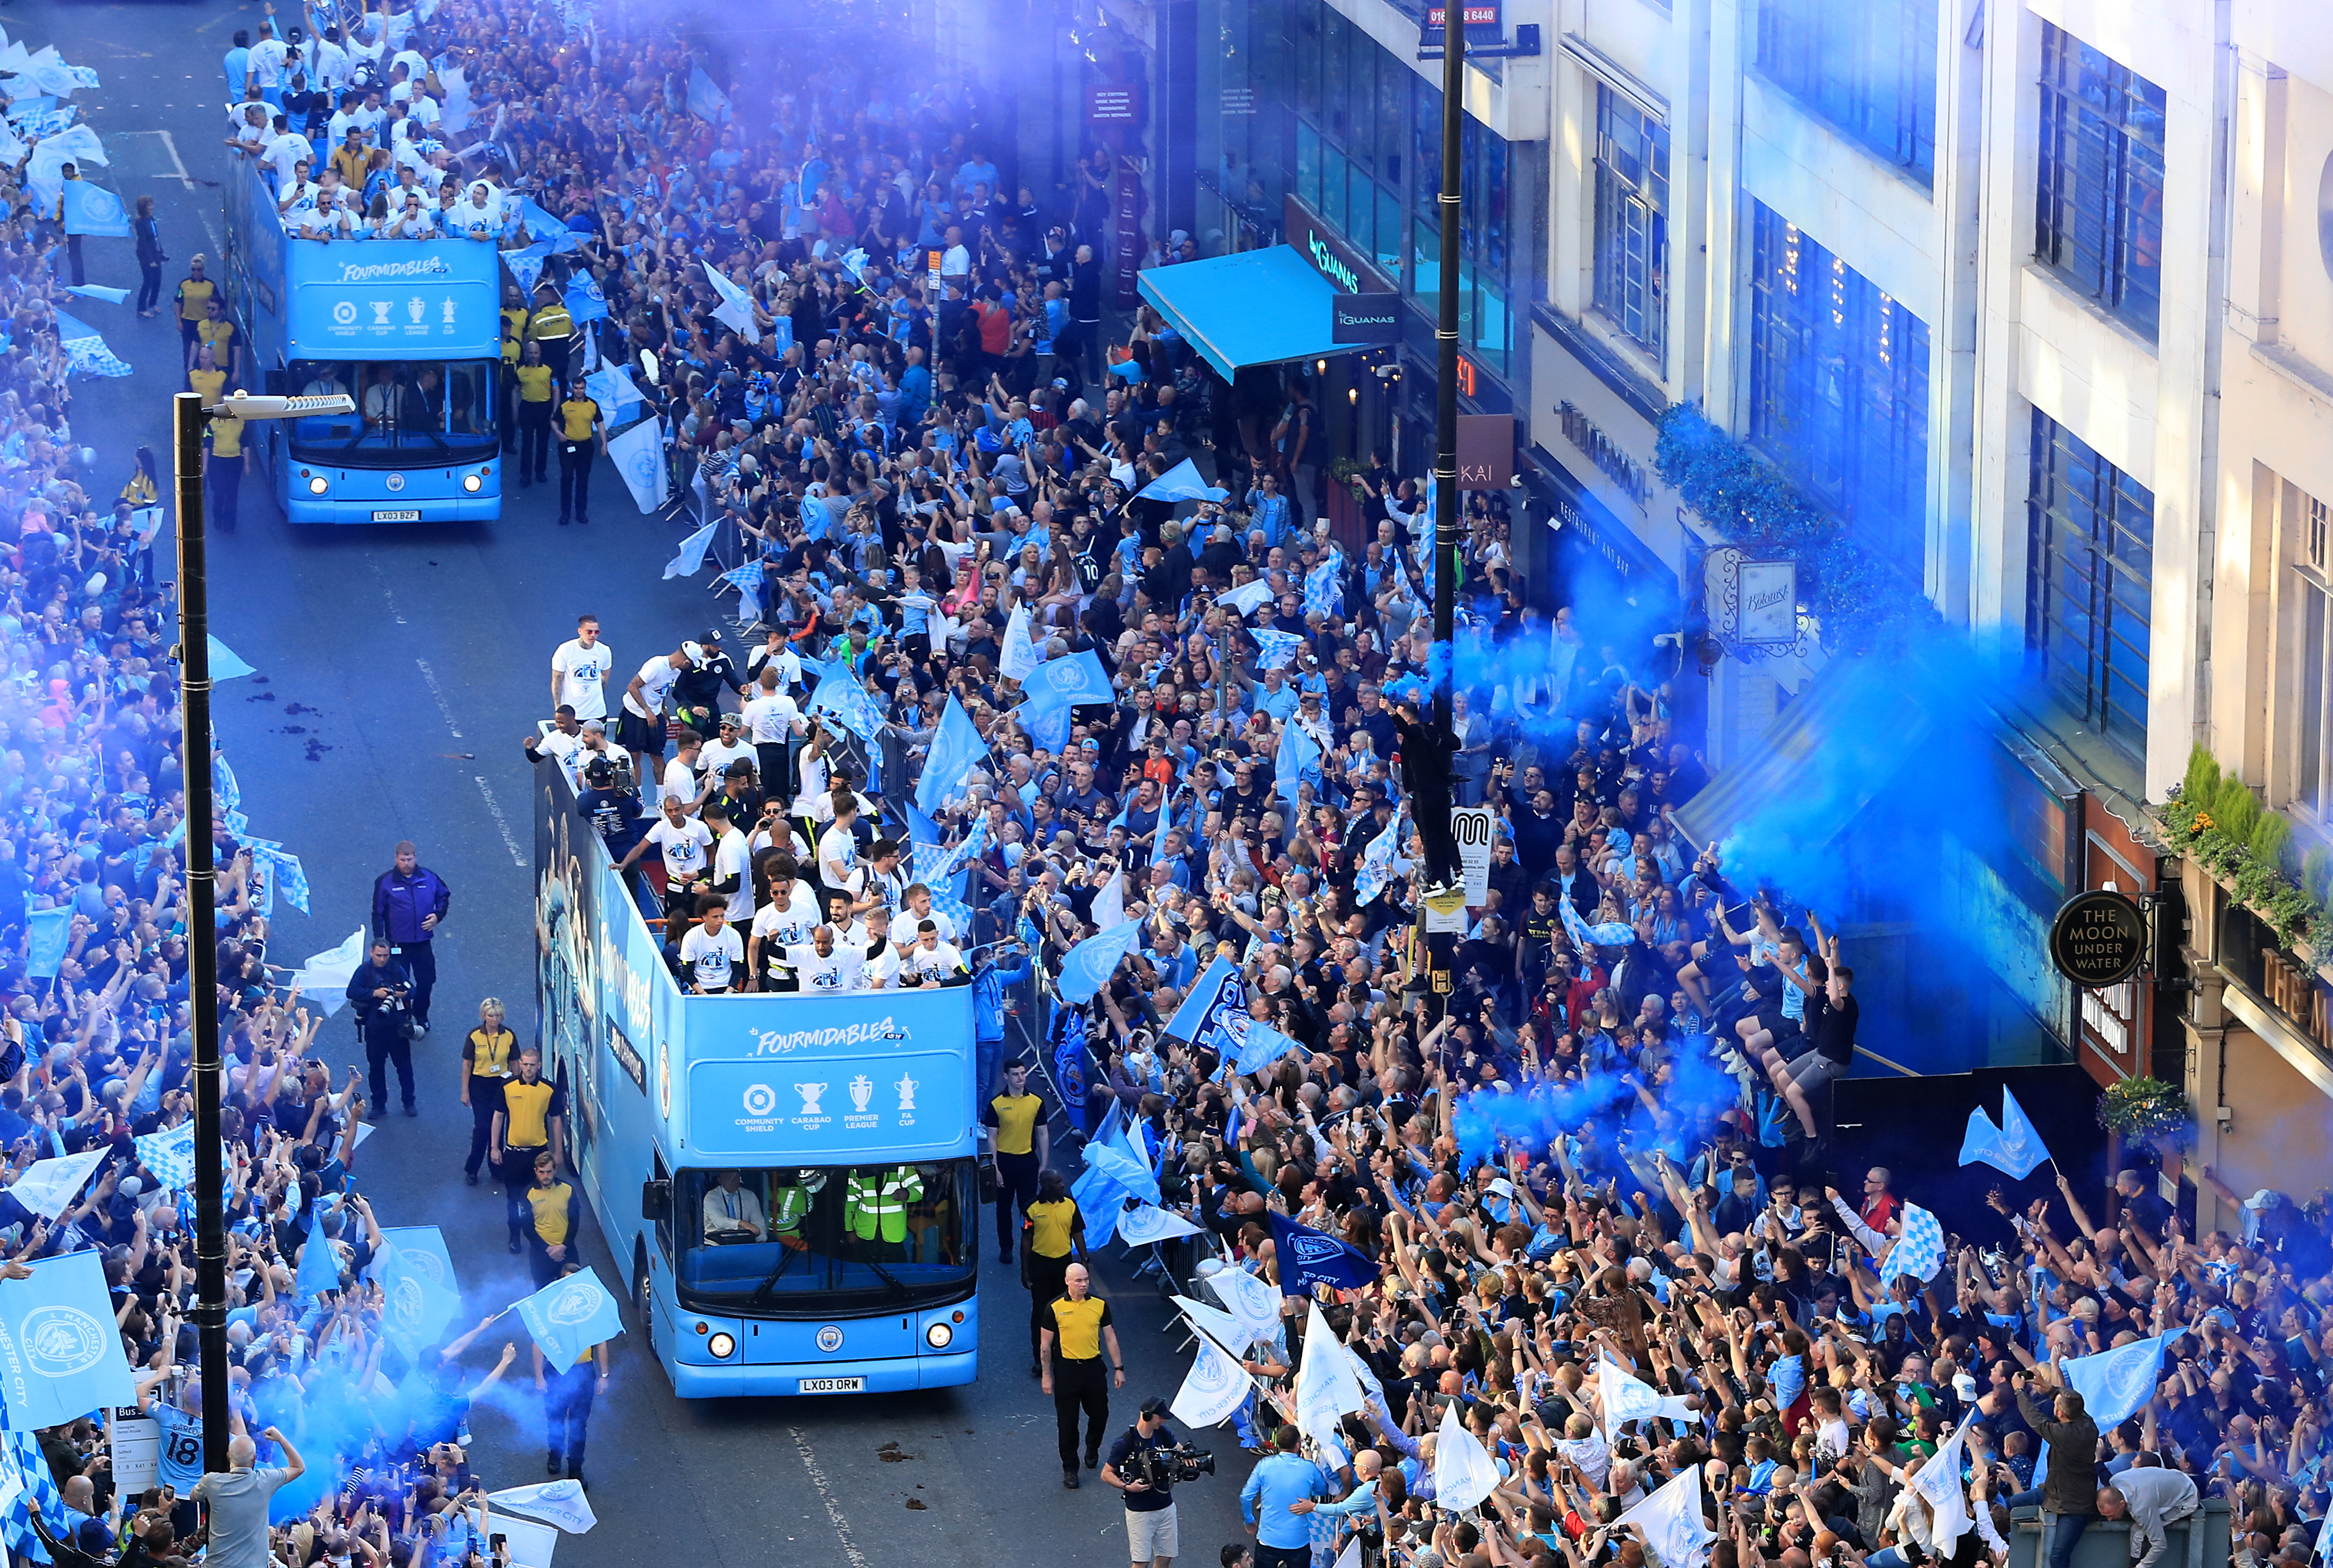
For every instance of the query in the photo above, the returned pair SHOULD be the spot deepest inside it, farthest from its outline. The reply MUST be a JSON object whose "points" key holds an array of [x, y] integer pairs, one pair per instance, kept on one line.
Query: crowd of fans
{"points": [[1614, 1144]]}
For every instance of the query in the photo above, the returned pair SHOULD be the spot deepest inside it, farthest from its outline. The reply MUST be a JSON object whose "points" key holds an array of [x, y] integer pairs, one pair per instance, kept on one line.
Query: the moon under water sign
{"points": [[59, 1340], [2099, 938]]}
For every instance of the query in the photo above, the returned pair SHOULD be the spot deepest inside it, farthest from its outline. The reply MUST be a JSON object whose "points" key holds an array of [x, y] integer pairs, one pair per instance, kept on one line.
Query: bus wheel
{"points": [[644, 1296]]}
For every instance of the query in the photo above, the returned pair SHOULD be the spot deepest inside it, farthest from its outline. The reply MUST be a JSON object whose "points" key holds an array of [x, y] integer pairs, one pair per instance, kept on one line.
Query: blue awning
{"points": [[1257, 307]]}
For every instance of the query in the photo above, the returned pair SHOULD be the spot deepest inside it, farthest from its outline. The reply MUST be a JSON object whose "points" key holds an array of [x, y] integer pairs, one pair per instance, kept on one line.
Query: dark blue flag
{"points": [[1307, 1258]]}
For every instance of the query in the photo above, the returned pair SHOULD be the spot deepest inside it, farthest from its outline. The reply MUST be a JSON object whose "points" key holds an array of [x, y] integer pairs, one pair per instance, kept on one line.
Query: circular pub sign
{"points": [[2099, 938]]}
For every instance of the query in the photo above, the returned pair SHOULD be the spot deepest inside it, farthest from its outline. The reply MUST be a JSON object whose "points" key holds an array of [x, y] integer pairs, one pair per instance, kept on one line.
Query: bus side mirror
{"points": [[656, 1200]]}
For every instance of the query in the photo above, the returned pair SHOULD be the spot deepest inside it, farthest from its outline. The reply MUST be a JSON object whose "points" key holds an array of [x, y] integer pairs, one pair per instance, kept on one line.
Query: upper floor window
{"points": [[2098, 186], [1632, 233], [1866, 66], [2089, 581]]}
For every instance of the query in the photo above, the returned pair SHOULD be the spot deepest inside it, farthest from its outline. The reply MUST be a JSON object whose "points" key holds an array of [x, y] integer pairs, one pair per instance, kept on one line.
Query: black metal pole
{"points": [[1427, 947], [1445, 334], [202, 946]]}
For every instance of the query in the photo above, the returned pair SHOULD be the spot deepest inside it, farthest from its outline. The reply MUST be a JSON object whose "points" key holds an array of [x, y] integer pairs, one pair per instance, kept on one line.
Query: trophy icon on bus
{"points": [[862, 1090]]}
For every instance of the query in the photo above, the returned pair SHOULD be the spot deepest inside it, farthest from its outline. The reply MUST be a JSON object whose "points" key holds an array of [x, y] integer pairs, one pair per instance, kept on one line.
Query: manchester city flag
{"points": [[1212, 1016], [61, 1356], [417, 1281], [1308, 1257], [569, 1316]]}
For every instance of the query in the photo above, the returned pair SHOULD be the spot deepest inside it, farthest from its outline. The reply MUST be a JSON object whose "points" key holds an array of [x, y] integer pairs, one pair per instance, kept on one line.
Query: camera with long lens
{"points": [[1164, 1465]]}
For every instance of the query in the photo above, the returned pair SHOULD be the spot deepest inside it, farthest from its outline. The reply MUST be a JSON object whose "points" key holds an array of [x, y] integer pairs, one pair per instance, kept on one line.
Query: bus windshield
{"points": [[779, 1243], [410, 412]]}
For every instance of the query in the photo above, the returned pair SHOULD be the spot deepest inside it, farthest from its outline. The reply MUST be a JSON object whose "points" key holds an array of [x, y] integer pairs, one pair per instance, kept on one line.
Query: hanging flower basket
{"points": [[2147, 1110]]}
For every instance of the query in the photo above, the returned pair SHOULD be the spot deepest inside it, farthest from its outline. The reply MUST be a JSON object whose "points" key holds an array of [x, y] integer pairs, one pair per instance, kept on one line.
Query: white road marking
{"points": [[850, 1552], [178, 163], [387, 593], [438, 692], [502, 822]]}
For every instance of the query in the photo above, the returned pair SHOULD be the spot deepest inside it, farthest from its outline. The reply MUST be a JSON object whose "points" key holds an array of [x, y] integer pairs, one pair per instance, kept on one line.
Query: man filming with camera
{"points": [[1144, 1465]]}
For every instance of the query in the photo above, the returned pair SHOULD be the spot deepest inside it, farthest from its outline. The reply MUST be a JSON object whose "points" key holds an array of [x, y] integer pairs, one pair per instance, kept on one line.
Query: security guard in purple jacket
{"points": [[408, 904]]}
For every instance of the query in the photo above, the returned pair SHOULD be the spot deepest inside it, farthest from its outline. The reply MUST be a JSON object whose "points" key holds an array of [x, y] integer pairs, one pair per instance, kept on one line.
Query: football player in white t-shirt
{"points": [[786, 922], [823, 966], [685, 844], [711, 949], [580, 668]]}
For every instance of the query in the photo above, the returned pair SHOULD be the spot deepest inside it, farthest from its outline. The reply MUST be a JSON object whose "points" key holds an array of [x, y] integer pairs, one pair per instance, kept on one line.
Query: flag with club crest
{"points": [[585, 303], [560, 1502], [1463, 1474], [2115, 1384], [691, 559], [569, 1316], [48, 1187], [2012, 1147], [1087, 967], [85, 350], [526, 268], [1278, 648], [612, 388], [1672, 1521], [1939, 1481], [1212, 1016], [1261, 1047], [946, 863], [61, 1356], [1919, 1249], [1214, 1388], [284, 871], [638, 457]]}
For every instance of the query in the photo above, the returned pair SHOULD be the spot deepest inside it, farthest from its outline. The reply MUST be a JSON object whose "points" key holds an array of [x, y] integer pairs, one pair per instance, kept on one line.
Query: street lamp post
{"points": [[188, 417]]}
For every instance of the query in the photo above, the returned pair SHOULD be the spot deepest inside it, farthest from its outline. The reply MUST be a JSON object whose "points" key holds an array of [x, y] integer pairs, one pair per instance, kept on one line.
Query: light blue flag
{"points": [[1247, 595], [706, 100], [320, 1264], [169, 1157], [585, 303], [525, 267], [848, 698], [25, 1478], [417, 1281], [91, 209], [1079, 678], [1088, 965], [226, 663], [223, 780], [946, 864], [2115, 1384], [1166, 824], [1324, 589], [1262, 1046], [1117, 1159], [1100, 1200], [1919, 1249], [85, 350], [956, 748], [1299, 759], [47, 940], [612, 388], [2013, 1147], [99, 292], [1181, 483], [545, 228], [691, 559], [1377, 865], [746, 579], [61, 1356], [569, 1316], [1205, 1019], [286, 874], [1278, 648], [1048, 722]]}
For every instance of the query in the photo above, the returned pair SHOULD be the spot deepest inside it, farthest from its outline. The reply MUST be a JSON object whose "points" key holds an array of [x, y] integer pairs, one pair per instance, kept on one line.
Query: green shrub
{"points": [[2235, 810], [2203, 780]]}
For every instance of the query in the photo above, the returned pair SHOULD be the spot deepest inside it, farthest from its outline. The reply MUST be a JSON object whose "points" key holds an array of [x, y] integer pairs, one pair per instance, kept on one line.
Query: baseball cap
{"points": [[694, 653]]}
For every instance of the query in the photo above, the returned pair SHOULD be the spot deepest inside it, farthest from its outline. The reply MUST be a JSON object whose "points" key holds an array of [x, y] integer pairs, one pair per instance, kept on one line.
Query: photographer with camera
{"points": [[380, 989], [1144, 1465]]}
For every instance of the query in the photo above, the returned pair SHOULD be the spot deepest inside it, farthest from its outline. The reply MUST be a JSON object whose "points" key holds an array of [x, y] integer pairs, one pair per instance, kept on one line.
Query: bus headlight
{"points": [[471, 483], [316, 485], [939, 1336], [721, 1345]]}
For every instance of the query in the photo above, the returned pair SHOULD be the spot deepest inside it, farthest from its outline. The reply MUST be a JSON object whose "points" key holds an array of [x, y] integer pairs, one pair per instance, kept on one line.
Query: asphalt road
{"points": [[397, 669]]}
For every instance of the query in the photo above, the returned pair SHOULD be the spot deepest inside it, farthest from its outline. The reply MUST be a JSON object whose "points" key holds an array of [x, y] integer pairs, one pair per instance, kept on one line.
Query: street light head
{"points": [[243, 404]]}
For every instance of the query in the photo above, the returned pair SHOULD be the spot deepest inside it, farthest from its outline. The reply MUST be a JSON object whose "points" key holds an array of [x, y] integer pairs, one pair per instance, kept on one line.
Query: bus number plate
{"points": [[401, 515], [833, 1386]]}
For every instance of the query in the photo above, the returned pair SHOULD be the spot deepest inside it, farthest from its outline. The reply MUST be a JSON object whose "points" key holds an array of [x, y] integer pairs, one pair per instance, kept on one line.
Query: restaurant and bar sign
{"points": [[1365, 319], [2099, 938]]}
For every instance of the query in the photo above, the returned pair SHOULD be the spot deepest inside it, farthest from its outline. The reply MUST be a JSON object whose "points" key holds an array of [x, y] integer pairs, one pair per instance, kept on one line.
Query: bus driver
{"points": [[732, 1212]]}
